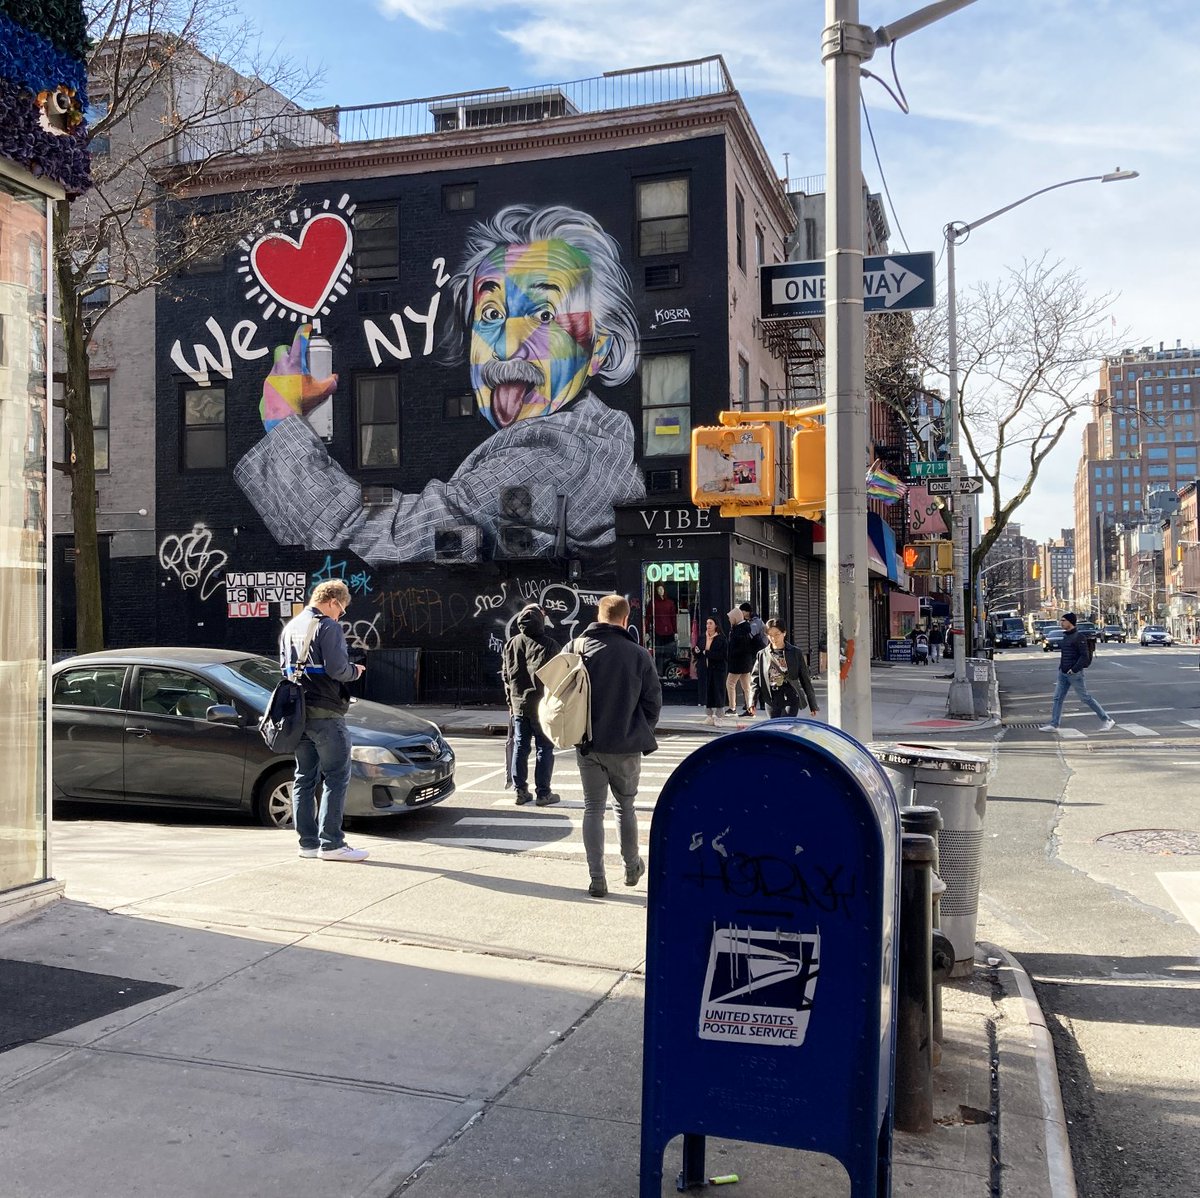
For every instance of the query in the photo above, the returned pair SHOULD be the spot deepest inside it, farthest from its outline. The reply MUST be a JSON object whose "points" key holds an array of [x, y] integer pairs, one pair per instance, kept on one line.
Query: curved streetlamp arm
{"points": [[957, 231]]}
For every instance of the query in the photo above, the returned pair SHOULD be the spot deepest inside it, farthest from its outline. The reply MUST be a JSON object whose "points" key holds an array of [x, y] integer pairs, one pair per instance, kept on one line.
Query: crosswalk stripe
{"points": [[1071, 733], [573, 847], [1191, 723], [567, 804], [1138, 729]]}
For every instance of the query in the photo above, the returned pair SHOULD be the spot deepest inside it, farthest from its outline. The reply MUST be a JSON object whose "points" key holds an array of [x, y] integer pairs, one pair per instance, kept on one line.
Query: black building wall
{"points": [[209, 533]]}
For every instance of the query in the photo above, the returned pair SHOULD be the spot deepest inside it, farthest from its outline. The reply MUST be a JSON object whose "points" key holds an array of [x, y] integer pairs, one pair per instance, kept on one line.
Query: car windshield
{"points": [[251, 679], [1155, 628]]}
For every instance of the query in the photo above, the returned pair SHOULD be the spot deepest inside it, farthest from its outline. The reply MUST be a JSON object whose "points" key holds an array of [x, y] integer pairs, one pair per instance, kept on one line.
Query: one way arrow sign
{"points": [[949, 486], [891, 283]]}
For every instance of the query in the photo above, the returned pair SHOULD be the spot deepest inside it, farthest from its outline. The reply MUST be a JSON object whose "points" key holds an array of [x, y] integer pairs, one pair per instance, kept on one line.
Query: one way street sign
{"points": [[891, 283], [947, 486]]}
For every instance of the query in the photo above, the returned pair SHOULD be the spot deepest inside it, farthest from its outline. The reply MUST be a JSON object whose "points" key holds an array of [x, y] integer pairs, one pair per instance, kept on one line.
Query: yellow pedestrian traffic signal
{"points": [[808, 467]]}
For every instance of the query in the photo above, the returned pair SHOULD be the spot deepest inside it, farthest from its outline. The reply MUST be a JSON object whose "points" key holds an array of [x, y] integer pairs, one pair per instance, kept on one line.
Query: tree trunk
{"points": [[79, 449]]}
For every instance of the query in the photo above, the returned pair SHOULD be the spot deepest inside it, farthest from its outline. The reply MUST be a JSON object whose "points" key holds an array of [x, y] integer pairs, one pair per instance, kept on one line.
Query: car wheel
{"points": [[273, 799]]}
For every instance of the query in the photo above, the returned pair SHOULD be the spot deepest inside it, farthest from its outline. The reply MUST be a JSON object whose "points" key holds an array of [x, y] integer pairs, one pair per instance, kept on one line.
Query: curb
{"points": [[1059, 1171]]}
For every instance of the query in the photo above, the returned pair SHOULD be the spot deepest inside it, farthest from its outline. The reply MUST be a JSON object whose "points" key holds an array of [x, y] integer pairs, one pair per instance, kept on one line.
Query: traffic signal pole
{"points": [[845, 46]]}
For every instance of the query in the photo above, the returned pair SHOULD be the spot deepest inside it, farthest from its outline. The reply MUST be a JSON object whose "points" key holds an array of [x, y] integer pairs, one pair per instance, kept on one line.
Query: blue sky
{"points": [[1006, 96]]}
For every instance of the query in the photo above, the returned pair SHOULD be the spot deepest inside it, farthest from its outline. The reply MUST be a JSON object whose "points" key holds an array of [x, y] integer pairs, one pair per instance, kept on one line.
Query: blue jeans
{"points": [[528, 734], [1068, 682], [323, 751]]}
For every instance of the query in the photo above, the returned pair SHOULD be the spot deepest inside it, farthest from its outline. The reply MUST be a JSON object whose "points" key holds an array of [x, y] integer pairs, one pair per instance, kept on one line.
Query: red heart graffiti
{"points": [[301, 274]]}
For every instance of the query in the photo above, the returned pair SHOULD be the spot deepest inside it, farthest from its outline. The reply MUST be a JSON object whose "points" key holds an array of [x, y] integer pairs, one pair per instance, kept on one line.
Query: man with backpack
{"points": [[312, 648], [1076, 656], [526, 651], [626, 698]]}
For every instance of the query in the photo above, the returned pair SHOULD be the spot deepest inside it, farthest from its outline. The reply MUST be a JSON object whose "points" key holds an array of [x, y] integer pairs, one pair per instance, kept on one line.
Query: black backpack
{"points": [[282, 724], [1089, 652]]}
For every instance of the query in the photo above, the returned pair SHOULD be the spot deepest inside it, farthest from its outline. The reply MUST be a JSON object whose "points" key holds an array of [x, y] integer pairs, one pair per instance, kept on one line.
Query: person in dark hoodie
{"points": [[526, 651], [625, 705], [1073, 660]]}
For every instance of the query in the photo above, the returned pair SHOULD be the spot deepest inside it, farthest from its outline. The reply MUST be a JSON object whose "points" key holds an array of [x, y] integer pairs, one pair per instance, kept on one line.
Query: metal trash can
{"points": [[956, 784], [900, 763], [980, 672]]}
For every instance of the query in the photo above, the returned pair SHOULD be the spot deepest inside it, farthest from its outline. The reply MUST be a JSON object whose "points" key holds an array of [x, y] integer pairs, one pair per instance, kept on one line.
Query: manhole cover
{"points": [[1171, 841]]}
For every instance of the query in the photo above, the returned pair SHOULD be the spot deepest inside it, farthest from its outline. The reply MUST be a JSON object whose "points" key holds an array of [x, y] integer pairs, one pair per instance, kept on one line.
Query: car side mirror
{"points": [[223, 713]]}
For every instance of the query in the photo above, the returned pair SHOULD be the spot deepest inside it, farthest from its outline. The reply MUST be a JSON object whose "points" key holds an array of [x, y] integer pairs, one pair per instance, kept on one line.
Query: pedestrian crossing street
{"points": [[1092, 730], [558, 829]]}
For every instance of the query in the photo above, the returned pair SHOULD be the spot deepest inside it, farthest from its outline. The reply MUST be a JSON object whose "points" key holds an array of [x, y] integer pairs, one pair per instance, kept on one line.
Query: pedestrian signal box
{"points": [[732, 466], [929, 557], [808, 467]]}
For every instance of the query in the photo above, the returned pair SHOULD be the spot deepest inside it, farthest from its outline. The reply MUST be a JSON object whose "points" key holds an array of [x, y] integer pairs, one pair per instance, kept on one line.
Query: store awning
{"points": [[881, 547]]}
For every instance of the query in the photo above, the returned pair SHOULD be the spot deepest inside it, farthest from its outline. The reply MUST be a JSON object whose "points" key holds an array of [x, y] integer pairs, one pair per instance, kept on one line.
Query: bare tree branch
{"points": [[176, 86]]}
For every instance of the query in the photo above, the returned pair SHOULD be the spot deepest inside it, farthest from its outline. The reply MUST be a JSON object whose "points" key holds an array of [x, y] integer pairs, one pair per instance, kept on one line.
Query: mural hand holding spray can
{"points": [[301, 380]]}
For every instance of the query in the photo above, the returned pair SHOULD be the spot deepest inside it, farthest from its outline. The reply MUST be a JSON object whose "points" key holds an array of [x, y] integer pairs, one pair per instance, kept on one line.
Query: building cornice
{"points": [[722, 115]]}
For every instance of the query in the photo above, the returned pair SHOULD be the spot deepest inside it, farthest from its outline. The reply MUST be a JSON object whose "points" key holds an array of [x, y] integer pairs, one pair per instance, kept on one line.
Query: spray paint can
{"points": [[320, 366], [320, 357]]}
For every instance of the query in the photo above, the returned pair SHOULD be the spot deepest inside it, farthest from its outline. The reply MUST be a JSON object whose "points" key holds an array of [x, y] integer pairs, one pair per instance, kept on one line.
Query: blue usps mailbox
{"points": [[770, 970]]}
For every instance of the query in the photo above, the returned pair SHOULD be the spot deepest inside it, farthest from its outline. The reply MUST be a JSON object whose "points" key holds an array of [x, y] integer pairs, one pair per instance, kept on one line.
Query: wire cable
{"points": [[879, 164]]}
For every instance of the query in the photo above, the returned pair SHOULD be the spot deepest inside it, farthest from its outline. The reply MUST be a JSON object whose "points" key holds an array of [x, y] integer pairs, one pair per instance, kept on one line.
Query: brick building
{"points": [[425, 242]]}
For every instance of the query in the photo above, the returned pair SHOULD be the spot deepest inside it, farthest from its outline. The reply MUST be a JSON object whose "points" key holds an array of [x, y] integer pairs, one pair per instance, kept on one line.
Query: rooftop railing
{"points": [[501, 106]]}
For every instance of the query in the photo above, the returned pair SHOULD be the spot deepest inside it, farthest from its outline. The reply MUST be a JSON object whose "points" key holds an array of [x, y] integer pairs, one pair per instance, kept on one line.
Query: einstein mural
{"points": [[541, 311]]}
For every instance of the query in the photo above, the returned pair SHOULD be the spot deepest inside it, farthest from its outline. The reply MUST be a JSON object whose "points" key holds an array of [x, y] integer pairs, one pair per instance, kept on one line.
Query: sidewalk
{"points": [[906, 701], [207, 1014]]}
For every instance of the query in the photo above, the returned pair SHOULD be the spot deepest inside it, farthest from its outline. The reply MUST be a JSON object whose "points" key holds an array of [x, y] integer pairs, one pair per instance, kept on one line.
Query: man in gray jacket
{"points": [[626, 701], [324, 749]]}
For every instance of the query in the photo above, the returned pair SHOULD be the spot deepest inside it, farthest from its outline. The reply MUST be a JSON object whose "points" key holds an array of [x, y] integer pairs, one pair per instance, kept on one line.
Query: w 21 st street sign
{"points": [[891, 283]]}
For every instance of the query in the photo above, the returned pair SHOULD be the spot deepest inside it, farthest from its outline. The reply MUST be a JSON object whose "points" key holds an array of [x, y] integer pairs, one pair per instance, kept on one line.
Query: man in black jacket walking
{"points": [[315, 638], [1073, 660], [525, 653], [625, 705]]}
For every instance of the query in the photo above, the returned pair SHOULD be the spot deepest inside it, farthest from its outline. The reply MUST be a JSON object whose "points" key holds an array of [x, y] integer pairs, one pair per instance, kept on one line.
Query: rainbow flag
{"points": [[884, 486]]}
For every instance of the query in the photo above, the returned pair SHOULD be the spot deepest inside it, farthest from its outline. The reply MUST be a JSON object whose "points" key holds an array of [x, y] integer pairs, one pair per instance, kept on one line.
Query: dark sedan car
{"points": [[1052, 642], [1113, 632], [178, 727]]}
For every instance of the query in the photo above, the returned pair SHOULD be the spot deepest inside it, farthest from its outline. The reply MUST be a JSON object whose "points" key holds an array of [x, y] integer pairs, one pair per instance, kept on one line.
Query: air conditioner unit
{"points": [[515, 540], [456, 543]]}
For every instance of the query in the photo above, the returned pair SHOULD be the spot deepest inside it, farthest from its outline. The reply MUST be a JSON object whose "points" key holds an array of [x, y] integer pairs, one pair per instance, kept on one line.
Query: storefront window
{"points": [[23, 254], [743, 576], [670, 595]]}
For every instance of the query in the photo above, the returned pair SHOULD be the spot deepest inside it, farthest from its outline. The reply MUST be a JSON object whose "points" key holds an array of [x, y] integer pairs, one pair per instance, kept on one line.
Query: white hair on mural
{"points": [[611, 300]]}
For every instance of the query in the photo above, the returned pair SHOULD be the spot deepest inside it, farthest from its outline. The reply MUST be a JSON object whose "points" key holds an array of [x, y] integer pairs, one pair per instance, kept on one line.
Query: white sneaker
{"points": [[1048, 728], [710, 721], [303, 852], [345, 853], [1108, 725]]}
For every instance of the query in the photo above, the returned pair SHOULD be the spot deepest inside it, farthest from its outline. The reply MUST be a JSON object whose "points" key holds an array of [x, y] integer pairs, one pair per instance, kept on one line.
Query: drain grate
{"points": [[1173, 842]]}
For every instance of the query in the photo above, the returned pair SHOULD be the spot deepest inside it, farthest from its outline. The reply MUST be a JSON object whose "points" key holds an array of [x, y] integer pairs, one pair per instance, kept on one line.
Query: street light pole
{"points": [[961, 703], [845, 46]]}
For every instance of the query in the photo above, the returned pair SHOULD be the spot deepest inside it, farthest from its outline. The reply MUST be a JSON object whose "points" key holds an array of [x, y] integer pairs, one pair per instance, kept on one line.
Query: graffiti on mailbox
{"points": [[759, 986]]}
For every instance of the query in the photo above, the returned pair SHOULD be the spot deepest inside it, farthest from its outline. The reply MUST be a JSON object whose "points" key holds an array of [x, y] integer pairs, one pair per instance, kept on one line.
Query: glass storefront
{"points": [[24, 261], [670, 613]]}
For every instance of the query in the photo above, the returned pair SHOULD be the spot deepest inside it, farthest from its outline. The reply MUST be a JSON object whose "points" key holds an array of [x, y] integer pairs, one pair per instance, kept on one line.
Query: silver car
{"points": [[1155, 634], [178, 727]]}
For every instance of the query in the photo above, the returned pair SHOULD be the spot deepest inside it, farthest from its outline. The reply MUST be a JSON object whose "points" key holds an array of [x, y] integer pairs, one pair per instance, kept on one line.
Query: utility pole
{"points": [[845, 46]]}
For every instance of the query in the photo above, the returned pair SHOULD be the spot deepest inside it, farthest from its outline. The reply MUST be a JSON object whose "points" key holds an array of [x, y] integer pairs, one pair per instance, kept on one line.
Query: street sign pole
{"points": [[961, 704], [845, 44]]}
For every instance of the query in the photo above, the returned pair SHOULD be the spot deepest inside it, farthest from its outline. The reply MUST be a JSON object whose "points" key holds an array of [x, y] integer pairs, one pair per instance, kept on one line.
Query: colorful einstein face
{"points": [[533, 341]]}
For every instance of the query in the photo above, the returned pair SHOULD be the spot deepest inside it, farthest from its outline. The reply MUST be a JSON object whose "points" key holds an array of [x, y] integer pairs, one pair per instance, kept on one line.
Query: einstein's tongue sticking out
{"points": [[508, 400]]}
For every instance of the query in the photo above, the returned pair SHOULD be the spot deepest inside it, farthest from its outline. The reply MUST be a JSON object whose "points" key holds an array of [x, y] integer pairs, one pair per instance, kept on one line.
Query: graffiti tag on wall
{"points": [[250, 595], [192, 560]]}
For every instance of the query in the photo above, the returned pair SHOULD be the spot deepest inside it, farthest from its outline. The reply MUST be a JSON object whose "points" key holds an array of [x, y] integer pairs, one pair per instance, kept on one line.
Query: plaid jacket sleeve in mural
{"points": [[585, 452]]}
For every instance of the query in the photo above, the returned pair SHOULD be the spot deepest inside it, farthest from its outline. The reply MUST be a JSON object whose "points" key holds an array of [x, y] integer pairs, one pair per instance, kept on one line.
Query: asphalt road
{"points": [[1091, 876]]}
